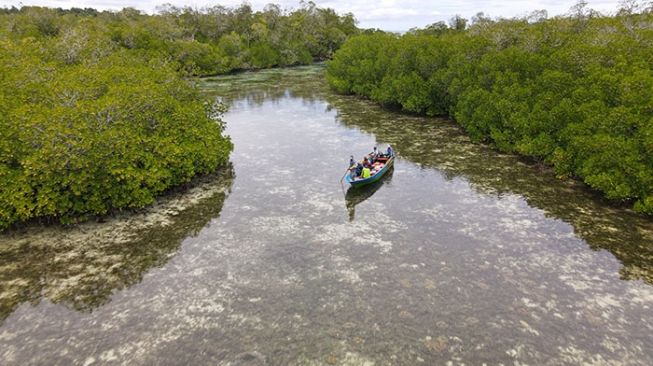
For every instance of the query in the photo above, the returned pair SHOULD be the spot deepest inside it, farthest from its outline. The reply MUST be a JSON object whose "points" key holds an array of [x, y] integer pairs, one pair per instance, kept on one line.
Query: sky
{"points": [[390, 15]]}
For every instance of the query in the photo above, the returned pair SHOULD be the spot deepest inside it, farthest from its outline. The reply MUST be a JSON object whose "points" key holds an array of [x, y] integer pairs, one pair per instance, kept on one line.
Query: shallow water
{"points": [[461, 255]]}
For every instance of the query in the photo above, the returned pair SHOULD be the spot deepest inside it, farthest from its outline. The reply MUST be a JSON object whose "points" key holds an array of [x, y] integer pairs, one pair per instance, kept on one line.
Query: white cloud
{"points": [[388, 13]]}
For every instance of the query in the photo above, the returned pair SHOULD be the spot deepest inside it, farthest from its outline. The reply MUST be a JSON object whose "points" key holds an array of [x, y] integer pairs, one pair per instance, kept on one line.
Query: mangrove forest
{"points": [[254, 185], [573, 92], [98, 111]]}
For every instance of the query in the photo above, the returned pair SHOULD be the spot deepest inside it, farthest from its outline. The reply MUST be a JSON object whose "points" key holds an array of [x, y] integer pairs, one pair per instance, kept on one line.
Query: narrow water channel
{"points": [[460, 255]]}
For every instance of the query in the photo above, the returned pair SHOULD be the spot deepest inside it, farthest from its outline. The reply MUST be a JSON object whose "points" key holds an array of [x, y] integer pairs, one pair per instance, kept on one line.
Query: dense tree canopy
{"points": [[206, 41], [83, 139], [574, 92]]}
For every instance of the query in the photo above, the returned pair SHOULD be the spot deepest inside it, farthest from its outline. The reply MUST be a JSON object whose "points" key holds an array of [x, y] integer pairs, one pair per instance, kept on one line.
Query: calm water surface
{"points": [[460, 255]]}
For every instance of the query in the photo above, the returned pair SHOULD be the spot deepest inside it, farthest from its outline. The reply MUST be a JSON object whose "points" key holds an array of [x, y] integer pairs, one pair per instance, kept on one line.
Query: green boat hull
{"points": [[375, 178]]}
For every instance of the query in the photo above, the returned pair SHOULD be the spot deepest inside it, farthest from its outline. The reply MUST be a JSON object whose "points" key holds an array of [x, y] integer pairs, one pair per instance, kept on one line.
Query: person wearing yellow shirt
{"points": [[366, 173]]}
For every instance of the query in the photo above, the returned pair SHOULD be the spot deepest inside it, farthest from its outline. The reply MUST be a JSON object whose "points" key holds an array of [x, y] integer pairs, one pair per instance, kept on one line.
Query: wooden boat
{"points": [[358, 181]]}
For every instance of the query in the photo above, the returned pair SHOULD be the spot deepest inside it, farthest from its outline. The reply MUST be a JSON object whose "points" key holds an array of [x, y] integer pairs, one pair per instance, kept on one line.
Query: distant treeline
{"points": [[575, 92], [205, 41], [97, 112]]}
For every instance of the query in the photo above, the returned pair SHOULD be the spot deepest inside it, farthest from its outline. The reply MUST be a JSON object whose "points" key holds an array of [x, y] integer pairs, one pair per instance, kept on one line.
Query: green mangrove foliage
{"points": [[574, 92], [208, 41], [86, 138]]}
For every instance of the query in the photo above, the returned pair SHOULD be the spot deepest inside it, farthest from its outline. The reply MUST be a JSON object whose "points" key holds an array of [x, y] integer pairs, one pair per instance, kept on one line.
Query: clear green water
{"points": [[460, 255]]}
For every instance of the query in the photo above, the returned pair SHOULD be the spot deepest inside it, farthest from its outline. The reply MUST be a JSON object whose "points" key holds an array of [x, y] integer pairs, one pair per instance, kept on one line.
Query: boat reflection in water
{"points": [[356, 195]]}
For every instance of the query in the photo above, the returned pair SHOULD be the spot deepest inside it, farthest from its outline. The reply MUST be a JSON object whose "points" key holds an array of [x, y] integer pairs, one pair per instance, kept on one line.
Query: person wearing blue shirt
{"points": [[390, 152], [352, 167]]}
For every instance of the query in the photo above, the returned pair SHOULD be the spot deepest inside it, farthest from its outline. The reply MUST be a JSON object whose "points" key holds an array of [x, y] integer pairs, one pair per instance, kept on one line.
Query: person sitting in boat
{"points": [[370, 159], [354, 170], [366, 173], [375, 153], [390, 152], [367, 161], [358, 170]]}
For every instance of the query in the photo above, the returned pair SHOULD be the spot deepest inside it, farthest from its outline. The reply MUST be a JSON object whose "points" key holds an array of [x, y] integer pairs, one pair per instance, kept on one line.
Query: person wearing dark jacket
{"points": [[359, 169]]}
